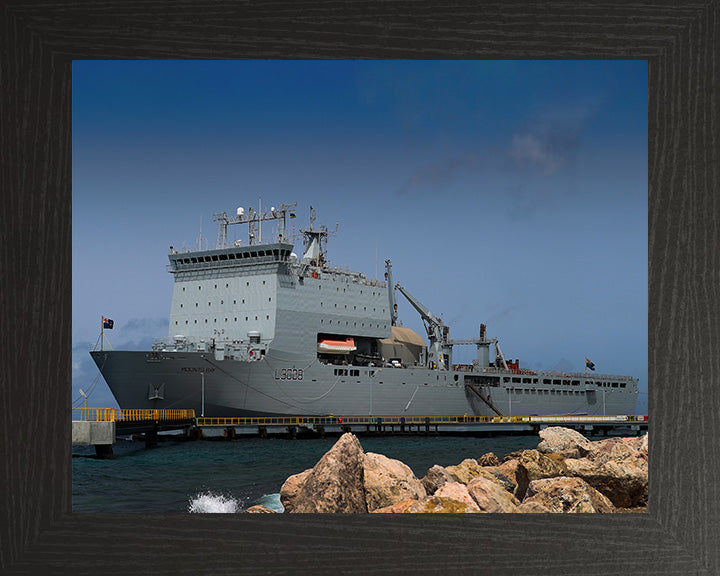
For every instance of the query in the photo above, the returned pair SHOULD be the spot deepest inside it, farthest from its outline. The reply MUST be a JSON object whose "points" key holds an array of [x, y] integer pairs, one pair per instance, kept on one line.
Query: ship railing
{"points": [[128, 415], [556, 374]]}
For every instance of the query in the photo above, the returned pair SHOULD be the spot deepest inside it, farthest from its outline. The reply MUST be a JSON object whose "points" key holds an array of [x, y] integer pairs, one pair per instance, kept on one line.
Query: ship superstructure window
{"points": [[546, 380], [517, 380], [556, 381], [622, 384]]}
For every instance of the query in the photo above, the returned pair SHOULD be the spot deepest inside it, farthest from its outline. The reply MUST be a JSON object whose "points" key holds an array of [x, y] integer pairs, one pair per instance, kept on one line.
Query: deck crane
{"points": [[439, 350]]}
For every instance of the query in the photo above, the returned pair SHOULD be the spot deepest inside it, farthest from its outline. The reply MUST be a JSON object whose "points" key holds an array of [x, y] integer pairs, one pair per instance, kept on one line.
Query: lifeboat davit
{"points": [[344, 346]]}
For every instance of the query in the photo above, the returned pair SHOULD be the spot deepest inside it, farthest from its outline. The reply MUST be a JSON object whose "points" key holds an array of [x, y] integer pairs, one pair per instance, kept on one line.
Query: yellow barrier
{"points": [[116, 414]]}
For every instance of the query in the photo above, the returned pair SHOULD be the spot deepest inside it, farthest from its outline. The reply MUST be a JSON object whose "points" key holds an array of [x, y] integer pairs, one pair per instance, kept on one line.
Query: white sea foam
{"points": [[210, 503]]}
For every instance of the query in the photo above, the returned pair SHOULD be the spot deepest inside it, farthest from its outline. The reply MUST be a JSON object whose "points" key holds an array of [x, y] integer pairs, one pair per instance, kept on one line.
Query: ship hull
{"points": [[285, 385]]}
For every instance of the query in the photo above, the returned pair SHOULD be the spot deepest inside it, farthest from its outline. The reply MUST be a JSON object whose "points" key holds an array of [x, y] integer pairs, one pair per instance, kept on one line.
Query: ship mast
{"points": [[316, 242], [253, 220]]}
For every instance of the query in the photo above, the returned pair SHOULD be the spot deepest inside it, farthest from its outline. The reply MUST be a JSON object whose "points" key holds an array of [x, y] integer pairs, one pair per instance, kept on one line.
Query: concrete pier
{"points": [[94, 433]]}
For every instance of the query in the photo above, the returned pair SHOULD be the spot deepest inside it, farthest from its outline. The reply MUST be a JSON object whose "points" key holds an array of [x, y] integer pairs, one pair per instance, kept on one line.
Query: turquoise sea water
{"points": [[223, 476]]}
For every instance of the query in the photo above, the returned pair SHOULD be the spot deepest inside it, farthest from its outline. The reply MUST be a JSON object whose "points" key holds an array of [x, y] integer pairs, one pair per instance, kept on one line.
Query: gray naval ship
{"points": [[256, 330]]}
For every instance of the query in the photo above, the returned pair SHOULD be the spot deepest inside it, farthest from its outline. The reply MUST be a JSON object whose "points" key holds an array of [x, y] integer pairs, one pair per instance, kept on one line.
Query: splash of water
{"points": [[210, 503], [272, 501]]}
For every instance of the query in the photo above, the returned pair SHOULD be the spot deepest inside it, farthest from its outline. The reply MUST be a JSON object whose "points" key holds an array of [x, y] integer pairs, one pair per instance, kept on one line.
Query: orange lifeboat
{"points": [[344, 346]]}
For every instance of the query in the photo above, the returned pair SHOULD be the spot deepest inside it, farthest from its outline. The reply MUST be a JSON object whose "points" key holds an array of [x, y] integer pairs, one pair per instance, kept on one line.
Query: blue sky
{"points": [[509, 193]]}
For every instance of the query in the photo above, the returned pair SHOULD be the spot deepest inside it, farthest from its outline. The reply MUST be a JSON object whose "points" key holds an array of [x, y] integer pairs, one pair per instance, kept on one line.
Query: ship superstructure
{"points": [[256, 329]]}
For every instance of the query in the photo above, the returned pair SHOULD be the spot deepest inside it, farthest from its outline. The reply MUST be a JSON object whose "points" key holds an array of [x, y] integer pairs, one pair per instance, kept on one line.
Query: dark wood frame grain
{"points": [[38, 532]]}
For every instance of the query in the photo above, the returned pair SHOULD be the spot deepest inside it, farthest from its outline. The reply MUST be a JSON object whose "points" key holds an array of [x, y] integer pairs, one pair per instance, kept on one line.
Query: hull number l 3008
{"points": [[288, 374]]}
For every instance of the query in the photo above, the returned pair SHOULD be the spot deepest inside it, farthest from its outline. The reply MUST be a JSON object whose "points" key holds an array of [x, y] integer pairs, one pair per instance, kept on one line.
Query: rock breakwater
{"points": [[566, 473]]}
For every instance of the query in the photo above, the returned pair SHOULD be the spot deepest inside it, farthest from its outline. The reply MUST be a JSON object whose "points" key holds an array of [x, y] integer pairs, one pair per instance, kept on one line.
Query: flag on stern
{"points": [[589, 364], [107, 323]]}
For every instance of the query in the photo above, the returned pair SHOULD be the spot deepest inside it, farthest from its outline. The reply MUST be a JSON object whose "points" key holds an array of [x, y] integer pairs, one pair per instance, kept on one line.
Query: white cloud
{"points": [[530, 149]]}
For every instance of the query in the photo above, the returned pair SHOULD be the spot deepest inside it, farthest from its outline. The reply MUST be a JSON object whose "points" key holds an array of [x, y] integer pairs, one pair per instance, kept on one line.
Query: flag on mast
{"points": [[107, 323], [589, 364]]}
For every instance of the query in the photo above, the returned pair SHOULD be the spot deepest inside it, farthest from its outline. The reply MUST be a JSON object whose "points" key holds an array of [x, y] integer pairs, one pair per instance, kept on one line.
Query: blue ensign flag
{"points": [[589, 364], [107, 323]]}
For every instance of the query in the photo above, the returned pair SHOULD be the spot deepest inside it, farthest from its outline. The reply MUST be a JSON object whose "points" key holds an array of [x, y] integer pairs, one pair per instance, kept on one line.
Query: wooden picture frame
{"points": [[40, 534]]}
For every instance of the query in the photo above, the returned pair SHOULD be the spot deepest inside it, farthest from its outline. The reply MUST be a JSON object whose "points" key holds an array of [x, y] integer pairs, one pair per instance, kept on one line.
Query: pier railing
{"points": [[135, 415], [410, 420], [138, 415]]}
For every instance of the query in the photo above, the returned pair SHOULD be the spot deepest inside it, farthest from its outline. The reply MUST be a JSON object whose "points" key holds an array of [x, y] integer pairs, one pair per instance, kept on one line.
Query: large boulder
{"points": [[539, 465], [623, 482], [458, 492], [495, 474], [441, 505], [465, 471], [567, 495], [259, 509], [564, 442], [431, 505], [532, 507], [389, 482], [516, 473], [435, 478], [617, 467], [291, 488], [491, 497], [398, 508], [336, 482], [488, 459], [621, 449]]}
